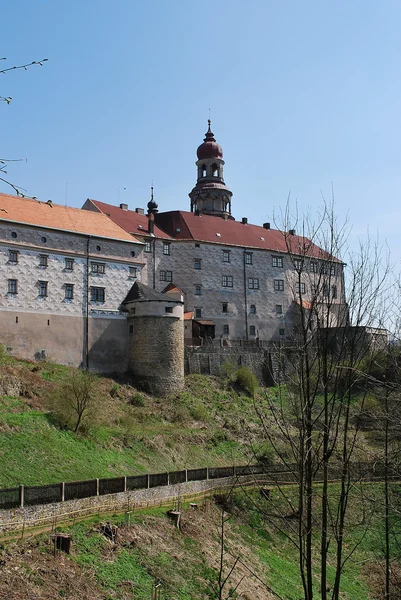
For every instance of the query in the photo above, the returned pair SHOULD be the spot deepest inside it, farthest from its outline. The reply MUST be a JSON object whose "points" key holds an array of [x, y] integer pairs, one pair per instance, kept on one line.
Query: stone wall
{"points": [[48, 513], [209, 360]]}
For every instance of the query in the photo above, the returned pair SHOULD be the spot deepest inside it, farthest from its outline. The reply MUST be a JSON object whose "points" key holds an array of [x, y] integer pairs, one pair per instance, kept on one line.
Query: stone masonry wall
{"points": [[208, 360], [13, 518]]}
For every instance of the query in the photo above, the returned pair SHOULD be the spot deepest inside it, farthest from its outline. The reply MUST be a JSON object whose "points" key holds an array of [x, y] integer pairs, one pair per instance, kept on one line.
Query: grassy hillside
{"points": [[129, 432], [151, 548]]}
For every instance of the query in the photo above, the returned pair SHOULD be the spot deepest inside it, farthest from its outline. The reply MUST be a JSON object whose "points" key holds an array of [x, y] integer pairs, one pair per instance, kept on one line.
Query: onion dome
{"points": [[153, 207], [210, 148]]}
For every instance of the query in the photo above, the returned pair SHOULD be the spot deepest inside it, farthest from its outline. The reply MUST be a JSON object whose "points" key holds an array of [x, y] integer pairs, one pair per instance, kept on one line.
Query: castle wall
{"points": [[269, 324]]}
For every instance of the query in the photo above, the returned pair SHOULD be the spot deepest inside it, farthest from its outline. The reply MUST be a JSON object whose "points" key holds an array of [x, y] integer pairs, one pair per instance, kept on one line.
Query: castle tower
{"points": [[210, 196], [156, 338]]}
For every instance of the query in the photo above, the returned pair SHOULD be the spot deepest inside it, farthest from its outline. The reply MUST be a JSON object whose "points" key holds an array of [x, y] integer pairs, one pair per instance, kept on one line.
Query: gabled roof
{"points": [[143, 293], [54, 216], [171, 287], [183, 225], [133, 222]]}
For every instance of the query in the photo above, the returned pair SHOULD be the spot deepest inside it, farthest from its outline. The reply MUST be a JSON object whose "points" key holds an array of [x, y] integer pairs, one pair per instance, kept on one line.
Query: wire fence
{"points": [[59, 492]]}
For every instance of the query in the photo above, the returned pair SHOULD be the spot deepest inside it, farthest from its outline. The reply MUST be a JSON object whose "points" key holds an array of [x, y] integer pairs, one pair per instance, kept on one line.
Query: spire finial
{"points": [[151, 193]]}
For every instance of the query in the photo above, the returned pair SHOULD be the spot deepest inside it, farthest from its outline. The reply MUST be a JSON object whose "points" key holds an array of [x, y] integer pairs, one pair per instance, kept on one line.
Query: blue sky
{"points": [[302, 95]]}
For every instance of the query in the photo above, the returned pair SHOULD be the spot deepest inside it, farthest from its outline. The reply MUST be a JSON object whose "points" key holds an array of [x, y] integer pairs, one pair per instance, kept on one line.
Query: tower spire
{"points": [[210, 195]]}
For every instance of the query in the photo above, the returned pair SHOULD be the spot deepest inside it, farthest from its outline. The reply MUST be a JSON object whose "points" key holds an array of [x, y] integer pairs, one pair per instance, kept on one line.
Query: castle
{"points": [[76, 281]]}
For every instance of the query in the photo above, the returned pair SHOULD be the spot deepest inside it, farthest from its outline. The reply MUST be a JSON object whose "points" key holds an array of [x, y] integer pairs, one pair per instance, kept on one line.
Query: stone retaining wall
{"points": [[31, 516]]}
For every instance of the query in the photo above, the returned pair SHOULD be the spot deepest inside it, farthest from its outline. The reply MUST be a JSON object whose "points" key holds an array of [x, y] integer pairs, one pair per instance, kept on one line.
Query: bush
{"points": [[265, 455], [247, 381], [199, 412], [137, 399]]}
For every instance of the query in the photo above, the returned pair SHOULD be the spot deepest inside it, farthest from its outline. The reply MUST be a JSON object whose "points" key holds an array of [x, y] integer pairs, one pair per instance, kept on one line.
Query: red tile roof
{"points": [[54, 216], [183, 225], [131, 221]]}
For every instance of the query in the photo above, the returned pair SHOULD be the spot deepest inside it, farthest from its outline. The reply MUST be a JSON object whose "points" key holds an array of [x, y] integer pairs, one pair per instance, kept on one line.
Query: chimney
{"points": [[266, 225], [244, 221], [140, 211], [291, 231], [124, 206], [151, 224]]}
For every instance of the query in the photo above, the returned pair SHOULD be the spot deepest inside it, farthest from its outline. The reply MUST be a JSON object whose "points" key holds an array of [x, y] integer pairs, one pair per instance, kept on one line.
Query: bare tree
{"points": [[339, 322], [75, 402], [7, 99]]}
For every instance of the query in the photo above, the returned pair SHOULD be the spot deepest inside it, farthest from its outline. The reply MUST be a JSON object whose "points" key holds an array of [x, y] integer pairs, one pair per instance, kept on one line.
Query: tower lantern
{"points": [[210, 196]]}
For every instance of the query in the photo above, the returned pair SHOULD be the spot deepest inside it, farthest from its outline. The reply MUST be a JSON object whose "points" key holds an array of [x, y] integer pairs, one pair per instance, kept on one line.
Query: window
{"points": [[252, 330], [132, 253], [224, 307], [314, 267], [166, 276], [300, 288], [198, 290], [226, 256], [226, 329], [197, 245], [98, 248], [282, 331], [198, 313], [315, 290], [69, 264], [98, 268], [168, 309], [215, 170], [69, 291], [148, 246], [279, 285], [43, 240], [298, 264], [13, 235], [133, 271], [13, 257], [325, 290], [166, 249], [97, 294], [332, 270], [252, 309], [12, 286], [43, 260], [324, 268], [334, 291], [277, 261], [253, 283], [203, 171], [248, 258], [279, 309], [227, 281], [197, 264], [42, 289]]}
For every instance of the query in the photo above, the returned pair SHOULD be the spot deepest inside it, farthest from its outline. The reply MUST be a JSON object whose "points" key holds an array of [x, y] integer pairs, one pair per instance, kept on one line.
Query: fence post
{"points": [[62, 484], [148, 483], [21, 496], [234, 471], [168, 478], [207, 472], [97, 487], [186, 475], [125, 484]]}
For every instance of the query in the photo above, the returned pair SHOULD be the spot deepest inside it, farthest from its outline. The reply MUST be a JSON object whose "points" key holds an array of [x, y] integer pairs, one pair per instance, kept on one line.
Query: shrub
{"points": [[137, 399], [247, 381], [265, 455], [199, 412], [115, 390]]}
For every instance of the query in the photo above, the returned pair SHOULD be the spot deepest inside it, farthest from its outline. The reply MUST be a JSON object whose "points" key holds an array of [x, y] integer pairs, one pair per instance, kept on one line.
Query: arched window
{"points": [[215, 170], [203, 171]]}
